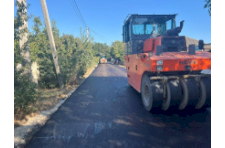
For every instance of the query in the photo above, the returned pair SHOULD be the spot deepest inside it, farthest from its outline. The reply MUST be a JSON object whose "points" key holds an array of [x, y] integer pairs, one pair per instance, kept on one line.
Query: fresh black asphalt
{"points": [[106, 112]]}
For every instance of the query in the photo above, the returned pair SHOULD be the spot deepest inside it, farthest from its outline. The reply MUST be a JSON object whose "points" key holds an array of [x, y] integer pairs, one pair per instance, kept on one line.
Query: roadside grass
{"points": [[47, 99], [51, 97]]}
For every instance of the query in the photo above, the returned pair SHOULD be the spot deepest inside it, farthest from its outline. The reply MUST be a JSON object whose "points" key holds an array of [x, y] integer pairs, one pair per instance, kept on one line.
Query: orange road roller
{"points": [[162, 66]]}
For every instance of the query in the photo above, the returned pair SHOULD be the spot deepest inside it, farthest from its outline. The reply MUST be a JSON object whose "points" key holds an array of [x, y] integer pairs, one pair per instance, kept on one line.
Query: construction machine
{"points": [[103, 60], [162, 67]]}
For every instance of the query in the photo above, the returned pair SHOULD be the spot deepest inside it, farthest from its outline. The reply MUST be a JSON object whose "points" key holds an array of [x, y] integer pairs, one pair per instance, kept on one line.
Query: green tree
{"points": [[208, 5], [84, 54], [101, 49], [117, 50], [35, 38], [37, 25], [67, 56], [24, 88], [41, 53], [19, 19]]}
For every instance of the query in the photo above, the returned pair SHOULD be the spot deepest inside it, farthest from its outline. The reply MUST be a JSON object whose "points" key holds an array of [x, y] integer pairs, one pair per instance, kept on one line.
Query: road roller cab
{"points": [[162, 66]]}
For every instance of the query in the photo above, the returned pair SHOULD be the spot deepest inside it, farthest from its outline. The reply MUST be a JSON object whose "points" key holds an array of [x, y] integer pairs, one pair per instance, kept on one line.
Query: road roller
{"points": [[103, 60], [162, 66]]}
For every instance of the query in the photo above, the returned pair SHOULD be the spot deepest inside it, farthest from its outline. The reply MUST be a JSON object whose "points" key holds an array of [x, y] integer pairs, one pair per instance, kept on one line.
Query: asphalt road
{"points": [[105, 112]]}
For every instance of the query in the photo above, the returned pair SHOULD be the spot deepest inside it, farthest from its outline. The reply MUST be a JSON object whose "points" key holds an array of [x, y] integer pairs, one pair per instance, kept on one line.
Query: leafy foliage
{"points": [[24, 91], [208, 5], [24, 88], [117, 50], [75, 55], [19, 19], [101, 49]]}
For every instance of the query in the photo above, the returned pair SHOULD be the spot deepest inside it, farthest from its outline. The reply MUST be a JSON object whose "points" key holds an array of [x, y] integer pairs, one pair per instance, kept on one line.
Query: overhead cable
{"points": [[78, 14]]}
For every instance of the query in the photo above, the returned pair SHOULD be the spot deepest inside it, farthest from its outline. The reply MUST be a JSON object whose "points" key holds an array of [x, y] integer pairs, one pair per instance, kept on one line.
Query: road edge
{"points": [[28, 131], [123, 66]]}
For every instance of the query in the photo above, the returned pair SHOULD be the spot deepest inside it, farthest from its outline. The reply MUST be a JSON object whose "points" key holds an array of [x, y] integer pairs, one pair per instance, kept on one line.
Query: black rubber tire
{"points": [[202, 98], [184, 100], [146, 93], [207, 83], [166, 101], [174, 93]]}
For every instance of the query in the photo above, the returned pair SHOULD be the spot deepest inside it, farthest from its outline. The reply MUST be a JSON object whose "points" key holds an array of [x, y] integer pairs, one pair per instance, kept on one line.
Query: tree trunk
{"points": [[24, 45]]}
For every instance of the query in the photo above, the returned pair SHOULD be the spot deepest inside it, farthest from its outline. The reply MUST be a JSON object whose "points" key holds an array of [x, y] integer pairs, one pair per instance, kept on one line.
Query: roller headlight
{"points": [[160, 62]]}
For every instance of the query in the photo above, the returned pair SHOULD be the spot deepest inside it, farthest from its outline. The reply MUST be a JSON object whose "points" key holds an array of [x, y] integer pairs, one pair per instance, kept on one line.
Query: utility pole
{"points": [[87, 34], [51, 40]]}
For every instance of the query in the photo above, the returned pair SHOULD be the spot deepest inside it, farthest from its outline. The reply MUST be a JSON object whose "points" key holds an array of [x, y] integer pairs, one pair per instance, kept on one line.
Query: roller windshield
{"points": [[157, 25], [103, 57]]}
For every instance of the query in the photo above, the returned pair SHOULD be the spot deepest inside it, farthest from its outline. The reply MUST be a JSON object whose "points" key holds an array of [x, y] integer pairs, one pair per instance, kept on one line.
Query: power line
{"points": [[78, 13], [100, 36], [80, 17]]}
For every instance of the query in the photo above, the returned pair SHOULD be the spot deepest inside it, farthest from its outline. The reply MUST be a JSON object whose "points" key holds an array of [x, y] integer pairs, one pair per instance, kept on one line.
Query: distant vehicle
{"points": [[114, 61], [103, 60]]}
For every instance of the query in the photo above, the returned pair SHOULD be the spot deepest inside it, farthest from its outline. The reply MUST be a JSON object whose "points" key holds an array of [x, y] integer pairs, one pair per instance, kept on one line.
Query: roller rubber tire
{"points": [[166, 101], [184, 100], [202, 97], [146, 93]]}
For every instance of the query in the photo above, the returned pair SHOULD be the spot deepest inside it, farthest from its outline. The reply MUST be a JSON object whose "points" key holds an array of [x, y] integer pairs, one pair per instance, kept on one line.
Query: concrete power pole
{"points": [[87, 34], [51, 40]]}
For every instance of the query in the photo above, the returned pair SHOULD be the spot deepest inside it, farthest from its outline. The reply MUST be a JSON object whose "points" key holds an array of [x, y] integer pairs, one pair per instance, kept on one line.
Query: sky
{"points": [[105, 17]]}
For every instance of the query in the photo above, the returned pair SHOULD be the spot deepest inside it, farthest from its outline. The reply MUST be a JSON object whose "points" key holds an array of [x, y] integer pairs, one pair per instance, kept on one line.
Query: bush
{"points": [[24, 92]]}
